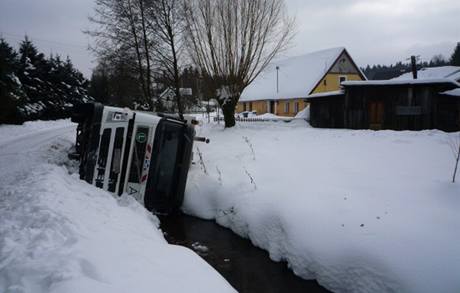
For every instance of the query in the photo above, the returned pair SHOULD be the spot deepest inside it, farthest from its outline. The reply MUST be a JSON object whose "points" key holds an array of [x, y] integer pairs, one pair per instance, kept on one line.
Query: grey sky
{"points": [[374, 31]]}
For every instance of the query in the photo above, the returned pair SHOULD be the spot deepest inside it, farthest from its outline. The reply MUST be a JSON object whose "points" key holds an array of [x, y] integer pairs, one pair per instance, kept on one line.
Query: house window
{"points": [[296, 107], [286, 107], [325, 82], [250, 106], [244, 107], [342, 78]]}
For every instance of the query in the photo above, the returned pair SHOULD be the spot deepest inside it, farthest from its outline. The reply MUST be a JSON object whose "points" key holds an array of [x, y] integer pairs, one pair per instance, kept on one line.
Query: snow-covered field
{"points": [[360, 211], [60, 234]]}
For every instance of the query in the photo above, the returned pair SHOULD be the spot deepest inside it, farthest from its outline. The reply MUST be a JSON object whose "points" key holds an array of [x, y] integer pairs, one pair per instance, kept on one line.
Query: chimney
{"points": [[413, 60]]}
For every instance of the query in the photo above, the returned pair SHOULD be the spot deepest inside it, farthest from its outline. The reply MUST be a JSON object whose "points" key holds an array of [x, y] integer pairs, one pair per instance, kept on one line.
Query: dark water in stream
{"points": [[246, 267]]}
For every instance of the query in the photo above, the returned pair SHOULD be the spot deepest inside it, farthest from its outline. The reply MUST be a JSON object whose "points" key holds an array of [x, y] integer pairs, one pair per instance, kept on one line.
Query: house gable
{"points": [[344, 68], [344, 64]]}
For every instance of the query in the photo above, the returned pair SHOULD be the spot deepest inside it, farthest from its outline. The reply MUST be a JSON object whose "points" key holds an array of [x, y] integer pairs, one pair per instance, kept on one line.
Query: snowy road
{"points": [[60, 234], [20, 152]]}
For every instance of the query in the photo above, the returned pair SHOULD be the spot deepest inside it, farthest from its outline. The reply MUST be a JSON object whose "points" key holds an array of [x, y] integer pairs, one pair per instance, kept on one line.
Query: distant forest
{"points": [[383, 72], [33, 86]]}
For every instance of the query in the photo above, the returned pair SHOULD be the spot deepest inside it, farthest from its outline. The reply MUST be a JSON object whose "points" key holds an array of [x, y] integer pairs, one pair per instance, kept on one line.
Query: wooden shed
{"points": [[327, 109], [400, 105], [389, 104]]}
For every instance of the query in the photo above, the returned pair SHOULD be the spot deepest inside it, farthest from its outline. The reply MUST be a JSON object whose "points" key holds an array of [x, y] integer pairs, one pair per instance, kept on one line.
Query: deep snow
{"points": [[358, 210], [60, 234]]}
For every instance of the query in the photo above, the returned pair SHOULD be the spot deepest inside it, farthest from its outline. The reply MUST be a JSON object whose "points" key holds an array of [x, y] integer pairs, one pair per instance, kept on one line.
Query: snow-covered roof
{"points": [[399, 82], [326, 94], [454, 92], [297, 76], [450, 72]]}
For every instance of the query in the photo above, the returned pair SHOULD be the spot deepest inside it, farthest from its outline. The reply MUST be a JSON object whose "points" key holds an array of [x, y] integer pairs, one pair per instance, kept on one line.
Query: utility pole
{"points": [[413, 60]]}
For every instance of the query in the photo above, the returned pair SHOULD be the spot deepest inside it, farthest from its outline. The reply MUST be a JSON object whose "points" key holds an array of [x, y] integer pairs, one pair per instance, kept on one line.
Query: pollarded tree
{"points": [[232, 42]]}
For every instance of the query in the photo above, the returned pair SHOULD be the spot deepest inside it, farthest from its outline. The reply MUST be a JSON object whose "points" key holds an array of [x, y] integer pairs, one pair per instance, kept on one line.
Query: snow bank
{"points": [[304, 114], [273, 116], [60, 234], [9, 132], [360, 211]]}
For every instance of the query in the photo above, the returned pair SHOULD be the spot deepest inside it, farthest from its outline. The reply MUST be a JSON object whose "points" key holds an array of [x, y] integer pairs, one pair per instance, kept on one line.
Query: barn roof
{"points": [[454, 92], [393, 82], [298, 76], [449, 72], [325, 94]]}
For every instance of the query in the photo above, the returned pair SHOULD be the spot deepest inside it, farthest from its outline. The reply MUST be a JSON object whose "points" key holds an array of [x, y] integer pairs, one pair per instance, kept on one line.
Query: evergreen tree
{"points": [[35, 87], [438, 60], [11, 94], [455, 58], [27, 50]]}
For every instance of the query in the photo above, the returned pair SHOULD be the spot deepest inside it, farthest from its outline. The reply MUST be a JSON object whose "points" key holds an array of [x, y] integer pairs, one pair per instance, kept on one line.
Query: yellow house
{"points": [[282, 87]]}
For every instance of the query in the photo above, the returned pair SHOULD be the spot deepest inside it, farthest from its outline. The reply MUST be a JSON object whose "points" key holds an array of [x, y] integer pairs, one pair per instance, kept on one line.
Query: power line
{"points": [[64, 44]]}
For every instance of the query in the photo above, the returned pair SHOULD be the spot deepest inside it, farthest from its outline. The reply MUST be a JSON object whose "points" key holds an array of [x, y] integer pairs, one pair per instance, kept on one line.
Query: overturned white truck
{"points": [[143, 154]]}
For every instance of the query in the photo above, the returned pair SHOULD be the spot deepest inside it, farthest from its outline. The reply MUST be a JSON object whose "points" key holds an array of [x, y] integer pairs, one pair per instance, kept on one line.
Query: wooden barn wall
{"points": [[327, 112], [424, 99]]}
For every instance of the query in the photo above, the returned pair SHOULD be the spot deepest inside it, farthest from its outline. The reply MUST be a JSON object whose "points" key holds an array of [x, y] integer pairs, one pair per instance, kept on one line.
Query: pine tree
{"points": [[35, 87], [455, 58], [28, 52], [11, 93]]}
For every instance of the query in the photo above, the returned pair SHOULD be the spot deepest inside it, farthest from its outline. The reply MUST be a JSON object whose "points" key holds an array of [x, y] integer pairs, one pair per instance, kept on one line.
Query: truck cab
{"points": [[139, 153]]}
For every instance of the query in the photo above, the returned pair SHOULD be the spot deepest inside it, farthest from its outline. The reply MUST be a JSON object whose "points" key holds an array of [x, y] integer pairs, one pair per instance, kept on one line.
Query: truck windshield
{"points": [[162, 180]]}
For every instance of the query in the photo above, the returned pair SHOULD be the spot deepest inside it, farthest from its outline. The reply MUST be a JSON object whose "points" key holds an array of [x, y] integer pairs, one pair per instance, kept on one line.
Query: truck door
{"points": [[139, 162]]}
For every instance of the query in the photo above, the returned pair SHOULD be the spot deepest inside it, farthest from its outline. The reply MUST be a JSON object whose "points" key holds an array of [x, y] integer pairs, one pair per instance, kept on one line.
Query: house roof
{"points": [[454, 92], [297, 76], [449, 72]]}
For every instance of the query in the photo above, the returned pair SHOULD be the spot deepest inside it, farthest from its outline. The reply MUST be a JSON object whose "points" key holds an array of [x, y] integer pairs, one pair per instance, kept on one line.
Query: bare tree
{"points": [[121, 28], [233, 41], [165, 22]]}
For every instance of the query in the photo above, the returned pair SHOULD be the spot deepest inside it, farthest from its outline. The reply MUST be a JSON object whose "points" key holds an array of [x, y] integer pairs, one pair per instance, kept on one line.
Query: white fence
{"points": [[258, 119]]}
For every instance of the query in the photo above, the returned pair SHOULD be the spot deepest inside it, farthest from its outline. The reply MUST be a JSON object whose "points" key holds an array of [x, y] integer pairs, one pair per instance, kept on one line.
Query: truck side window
{"points": [[137, 161], [116, 159], [102, 158]]}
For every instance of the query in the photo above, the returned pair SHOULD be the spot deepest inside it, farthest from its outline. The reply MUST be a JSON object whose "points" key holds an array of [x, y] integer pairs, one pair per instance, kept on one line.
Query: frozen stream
{"points": [[246, 267]]}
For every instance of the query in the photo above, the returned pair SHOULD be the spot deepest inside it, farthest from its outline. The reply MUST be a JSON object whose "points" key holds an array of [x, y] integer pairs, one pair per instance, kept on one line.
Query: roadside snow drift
{"points": [[60, 234], [360, 211]]}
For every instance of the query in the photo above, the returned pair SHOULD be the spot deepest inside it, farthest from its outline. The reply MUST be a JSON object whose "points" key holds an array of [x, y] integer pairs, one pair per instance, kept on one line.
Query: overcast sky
{"points": [[374, 31]]}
